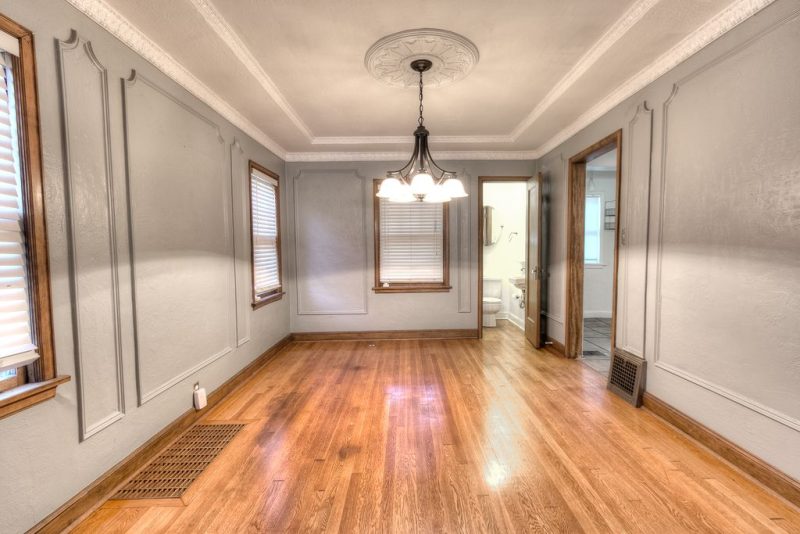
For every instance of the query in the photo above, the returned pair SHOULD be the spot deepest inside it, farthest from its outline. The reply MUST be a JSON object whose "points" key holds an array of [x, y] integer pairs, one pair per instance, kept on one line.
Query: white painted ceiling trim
{"points": [[225, 32], [409, 139], [121, 28], [108, 18], [617, 30], [714, 28], [441, 155]]}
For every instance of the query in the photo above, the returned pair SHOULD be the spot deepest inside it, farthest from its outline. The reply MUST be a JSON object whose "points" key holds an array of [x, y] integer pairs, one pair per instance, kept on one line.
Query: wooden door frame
{"points": [[481, 181], [576, 205]]}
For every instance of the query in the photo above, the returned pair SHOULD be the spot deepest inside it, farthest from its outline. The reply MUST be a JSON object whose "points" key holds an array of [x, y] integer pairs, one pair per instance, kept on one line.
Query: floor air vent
{"points": [[626, 376], [171, 473]]}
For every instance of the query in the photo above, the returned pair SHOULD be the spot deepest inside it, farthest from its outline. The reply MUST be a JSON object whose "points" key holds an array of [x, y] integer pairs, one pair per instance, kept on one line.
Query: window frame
{"points": [[599, 263], [42, 378], [410, 287], [274, 295]]}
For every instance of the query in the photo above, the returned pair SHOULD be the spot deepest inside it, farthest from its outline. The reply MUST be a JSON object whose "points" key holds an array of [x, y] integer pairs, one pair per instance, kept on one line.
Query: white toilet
{"points": [[492, 303]]}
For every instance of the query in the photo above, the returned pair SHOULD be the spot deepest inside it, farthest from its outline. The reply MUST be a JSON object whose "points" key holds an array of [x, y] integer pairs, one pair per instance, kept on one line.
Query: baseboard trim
{"points": [[376, 335], [555, 347], [94, 495], [769, 476]]}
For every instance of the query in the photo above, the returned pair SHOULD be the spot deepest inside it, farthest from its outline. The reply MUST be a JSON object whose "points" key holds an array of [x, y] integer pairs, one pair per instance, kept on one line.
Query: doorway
{"points": [[509, 240], [593, 188]]}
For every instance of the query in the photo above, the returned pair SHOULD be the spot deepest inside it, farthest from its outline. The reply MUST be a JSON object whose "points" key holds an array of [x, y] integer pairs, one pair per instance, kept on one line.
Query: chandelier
{"points": [[421, 179]]}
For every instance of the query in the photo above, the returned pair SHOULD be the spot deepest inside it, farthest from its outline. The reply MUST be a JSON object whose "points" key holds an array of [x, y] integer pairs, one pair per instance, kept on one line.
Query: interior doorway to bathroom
{"points": [[506, 229], [592, 242]]}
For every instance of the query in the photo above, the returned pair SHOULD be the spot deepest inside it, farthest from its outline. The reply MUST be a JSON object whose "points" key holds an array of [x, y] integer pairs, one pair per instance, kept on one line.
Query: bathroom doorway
{"points": [[592, 242], [503, 297]]}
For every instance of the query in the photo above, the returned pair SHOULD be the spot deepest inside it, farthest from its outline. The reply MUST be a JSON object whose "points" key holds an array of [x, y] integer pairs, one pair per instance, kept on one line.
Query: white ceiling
{"points": [[291, 73]]}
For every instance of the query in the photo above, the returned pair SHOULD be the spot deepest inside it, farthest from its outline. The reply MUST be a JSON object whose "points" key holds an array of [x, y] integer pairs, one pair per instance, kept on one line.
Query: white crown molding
{"points": [[485, 155], [409, 140], [111, 20], [225, 32], [617, 30], [118, 26], [721, 23]]}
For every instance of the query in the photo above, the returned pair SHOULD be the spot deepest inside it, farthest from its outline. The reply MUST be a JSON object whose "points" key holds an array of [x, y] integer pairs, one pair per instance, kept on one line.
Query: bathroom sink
{"points": [[517, 281]]}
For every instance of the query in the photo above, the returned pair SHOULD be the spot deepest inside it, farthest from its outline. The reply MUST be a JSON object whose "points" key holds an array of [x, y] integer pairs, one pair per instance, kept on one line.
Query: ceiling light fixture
{"points": [[421, 179]]}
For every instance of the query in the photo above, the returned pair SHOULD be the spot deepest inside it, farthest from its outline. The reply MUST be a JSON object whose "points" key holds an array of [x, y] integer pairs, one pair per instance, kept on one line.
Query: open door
{"points": [[534, 273]]}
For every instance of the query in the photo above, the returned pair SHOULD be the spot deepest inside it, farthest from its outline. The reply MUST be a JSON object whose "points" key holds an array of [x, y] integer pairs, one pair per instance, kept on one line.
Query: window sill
{"points": [[412, 288], [25, 396], [266, 300], [594, 265]]}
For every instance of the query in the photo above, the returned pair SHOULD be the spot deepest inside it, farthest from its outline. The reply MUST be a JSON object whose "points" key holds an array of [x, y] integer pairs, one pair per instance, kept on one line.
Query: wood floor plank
{"points": [[450, 436]]}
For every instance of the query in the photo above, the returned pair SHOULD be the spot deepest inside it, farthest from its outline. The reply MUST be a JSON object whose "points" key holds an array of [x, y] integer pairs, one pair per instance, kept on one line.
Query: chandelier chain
{"points": [[421, 120]]}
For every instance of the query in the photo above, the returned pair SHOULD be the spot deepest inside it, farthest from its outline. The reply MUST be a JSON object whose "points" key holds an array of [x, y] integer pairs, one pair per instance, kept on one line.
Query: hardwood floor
{"points": [[449, 435]]}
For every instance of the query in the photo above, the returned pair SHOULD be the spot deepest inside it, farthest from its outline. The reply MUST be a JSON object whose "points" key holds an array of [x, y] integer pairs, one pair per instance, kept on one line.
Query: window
{"points": [[265, 235], [27, 363], [411, 247], [593, 218]]}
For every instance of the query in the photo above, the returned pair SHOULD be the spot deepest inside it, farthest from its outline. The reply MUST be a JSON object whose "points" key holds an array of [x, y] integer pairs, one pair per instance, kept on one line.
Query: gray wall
{"points": [[170, 230], [709, 272], [709, 280], [331, 250]]}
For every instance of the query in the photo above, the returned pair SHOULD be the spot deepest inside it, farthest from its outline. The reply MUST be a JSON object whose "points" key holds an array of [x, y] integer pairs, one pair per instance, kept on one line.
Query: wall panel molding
{"points": [[463, 246], [94, 273], [634, 223], [669, 106], [186, 326], [240, 187], [121, 28], [337, 288]]}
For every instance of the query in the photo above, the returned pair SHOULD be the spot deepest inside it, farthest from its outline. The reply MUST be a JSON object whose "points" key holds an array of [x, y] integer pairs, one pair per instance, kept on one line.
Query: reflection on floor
{"points": [[597, 344], [459, 435]]}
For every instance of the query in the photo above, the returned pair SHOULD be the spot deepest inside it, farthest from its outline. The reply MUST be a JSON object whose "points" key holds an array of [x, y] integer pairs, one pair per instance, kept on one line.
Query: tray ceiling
{"points": [[291, 73]]}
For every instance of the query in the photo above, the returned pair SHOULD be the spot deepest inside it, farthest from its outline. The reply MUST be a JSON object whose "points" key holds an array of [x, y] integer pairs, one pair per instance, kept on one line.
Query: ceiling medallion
{"points": [[452, 57]]}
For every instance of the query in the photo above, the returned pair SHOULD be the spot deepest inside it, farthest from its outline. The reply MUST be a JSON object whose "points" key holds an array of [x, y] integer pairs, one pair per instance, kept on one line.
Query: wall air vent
{"points": [[626, 376]]}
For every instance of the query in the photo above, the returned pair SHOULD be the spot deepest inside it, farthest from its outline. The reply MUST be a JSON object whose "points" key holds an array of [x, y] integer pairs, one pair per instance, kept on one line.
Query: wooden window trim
{"points": [[409, 287], [41, 374], [262, 299]]}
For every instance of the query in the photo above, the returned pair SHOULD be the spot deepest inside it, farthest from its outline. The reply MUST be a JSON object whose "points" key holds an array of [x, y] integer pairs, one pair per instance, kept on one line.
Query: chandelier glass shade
{"points": [[421, 179]]}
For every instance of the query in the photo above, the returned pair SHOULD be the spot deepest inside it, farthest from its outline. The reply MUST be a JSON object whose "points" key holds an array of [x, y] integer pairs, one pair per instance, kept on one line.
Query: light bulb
{"points": [[422, 183], [454, 188], [403, 194], [389, 186], [436, 195]]}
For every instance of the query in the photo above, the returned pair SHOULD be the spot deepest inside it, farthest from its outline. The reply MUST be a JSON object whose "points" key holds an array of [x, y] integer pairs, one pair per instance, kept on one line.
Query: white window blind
{"points": [[411, 242], [593, 218], [16, 342], [264, 213]]}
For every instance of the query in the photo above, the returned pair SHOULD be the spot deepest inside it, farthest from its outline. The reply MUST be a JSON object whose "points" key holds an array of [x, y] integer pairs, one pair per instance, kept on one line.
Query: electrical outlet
{"points": [[199, 398]]}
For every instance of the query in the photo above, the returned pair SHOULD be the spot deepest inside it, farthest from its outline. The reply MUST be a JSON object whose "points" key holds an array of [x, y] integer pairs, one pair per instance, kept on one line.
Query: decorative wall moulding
{"points": [[669, 180], [124, 30], [148, 107], [91, 236], [343, 265], [388, 60], [453, 57]]}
